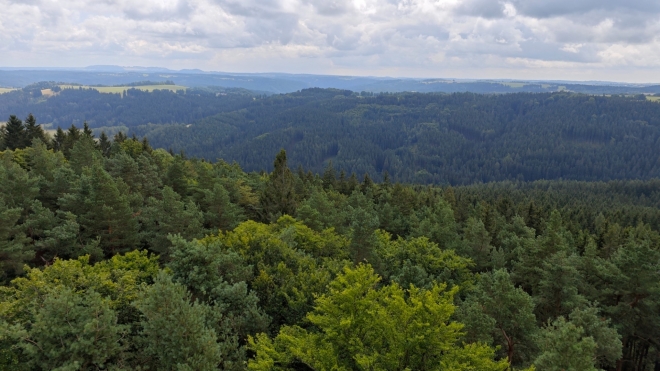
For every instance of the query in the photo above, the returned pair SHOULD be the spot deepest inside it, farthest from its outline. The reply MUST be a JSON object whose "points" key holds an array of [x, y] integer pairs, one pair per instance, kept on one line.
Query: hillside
{"points": [[434, 138], [459, 138]]}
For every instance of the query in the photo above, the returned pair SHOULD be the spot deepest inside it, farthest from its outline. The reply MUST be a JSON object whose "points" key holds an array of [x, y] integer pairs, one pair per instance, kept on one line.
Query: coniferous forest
{"points": [[455, 139], [116, 255]]}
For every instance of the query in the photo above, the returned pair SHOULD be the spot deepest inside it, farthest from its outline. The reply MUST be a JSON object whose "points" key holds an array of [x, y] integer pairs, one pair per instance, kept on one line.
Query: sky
{"points": [[607, 40]]}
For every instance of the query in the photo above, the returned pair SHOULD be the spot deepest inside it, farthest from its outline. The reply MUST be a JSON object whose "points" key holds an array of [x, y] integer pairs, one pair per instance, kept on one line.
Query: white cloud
{"points": [[602, 39]]}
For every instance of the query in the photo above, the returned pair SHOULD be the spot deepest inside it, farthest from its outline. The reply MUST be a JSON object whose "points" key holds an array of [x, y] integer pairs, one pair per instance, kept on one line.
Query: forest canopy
{"points": [[116, 255], [422, 138]]}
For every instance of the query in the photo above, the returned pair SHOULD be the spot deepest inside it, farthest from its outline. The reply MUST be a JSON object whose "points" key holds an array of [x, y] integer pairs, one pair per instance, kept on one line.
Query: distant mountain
{"points": [[286, 83]]}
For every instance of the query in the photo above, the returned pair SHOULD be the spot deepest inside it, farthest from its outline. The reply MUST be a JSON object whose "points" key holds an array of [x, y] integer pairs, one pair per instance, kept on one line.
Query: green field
{"points": [[654, 99], [120, 89], [514, 84], [5, 90]]}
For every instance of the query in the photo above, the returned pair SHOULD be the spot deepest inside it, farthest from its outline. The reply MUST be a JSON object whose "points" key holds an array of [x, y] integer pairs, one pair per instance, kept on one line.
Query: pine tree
{"points": [[103, 212], [14, 248], [367, 183], [279, 196], [329, 177], [169, 216], [219, 212], [104, 144], [72, 330], [87, 131], [84, 154], [59, 139], [176, 176], [14, 134], [174, 334], [72, 136], [34, 131]]}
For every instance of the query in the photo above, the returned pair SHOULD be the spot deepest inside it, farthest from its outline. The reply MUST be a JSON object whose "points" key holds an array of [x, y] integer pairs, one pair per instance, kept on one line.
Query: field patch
{"points": [[652, 98], [6, 90], [514, 84]]}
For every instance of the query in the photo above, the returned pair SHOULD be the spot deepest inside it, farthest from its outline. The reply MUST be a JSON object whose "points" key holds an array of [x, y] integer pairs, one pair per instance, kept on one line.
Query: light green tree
{"points": [[363, 327]]}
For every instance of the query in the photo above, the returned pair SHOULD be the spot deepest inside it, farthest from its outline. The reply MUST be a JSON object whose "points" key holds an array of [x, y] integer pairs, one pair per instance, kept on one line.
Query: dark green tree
{"points": [[104, 144], [174, 332], [13, 134], [279, 195], [34, 131]]}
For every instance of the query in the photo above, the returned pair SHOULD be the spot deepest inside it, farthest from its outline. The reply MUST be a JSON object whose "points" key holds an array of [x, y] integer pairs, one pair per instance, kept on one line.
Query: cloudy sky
{"points": [[614, 40]]}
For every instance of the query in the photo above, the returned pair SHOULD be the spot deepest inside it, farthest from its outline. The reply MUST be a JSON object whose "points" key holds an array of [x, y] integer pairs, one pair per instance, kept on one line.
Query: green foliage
{"points": [[362, 327], [103, 211], [498, 312], [420, 262], [219, 278], [291, 264], [565, 348], [169, 216], [73, 315], [70, 331], [279, 197], [561, 273], [174, 334]]}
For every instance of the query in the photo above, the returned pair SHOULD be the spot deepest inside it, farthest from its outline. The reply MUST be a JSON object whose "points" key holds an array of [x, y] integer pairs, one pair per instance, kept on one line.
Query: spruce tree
{"points": [[329, 177], [14, 134], [87, 131], [59, 139], [33, 130], [72, 136], [279, 197], [104, 144]]}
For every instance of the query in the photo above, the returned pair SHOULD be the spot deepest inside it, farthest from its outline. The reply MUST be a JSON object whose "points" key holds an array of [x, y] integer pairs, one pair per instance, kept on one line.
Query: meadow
{"points": [[5, 90]]}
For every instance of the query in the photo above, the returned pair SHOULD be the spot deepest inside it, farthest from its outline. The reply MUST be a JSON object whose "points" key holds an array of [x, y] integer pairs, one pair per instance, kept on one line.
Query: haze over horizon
{"points": [[477, 39]]}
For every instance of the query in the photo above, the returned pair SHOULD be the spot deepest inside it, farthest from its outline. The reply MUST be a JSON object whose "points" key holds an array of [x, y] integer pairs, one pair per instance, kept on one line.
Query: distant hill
{"points": [[459, 138], [119, 106], [287, 83]]}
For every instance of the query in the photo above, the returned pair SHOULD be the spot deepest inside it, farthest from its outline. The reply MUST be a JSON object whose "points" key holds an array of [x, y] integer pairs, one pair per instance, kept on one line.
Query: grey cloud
{"points": [[263, 9], [554, 8], [330, 7], [137, 11], [369, 35], [482, 8]]}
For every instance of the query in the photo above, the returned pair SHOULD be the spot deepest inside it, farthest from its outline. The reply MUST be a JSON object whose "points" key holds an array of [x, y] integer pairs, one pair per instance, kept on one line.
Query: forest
{"points": [[450, 139], [131, 108], [455, 139], [118, 255]]}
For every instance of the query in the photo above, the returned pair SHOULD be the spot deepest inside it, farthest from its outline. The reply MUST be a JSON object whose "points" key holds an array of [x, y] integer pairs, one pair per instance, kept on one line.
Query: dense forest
{"points": [[130, 108], [452, 139], [115, 255], [434, 138]]}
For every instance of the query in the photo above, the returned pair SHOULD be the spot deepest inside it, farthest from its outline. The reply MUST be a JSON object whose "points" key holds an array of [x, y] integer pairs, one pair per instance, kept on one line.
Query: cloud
{"points": [[602, 39]]}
